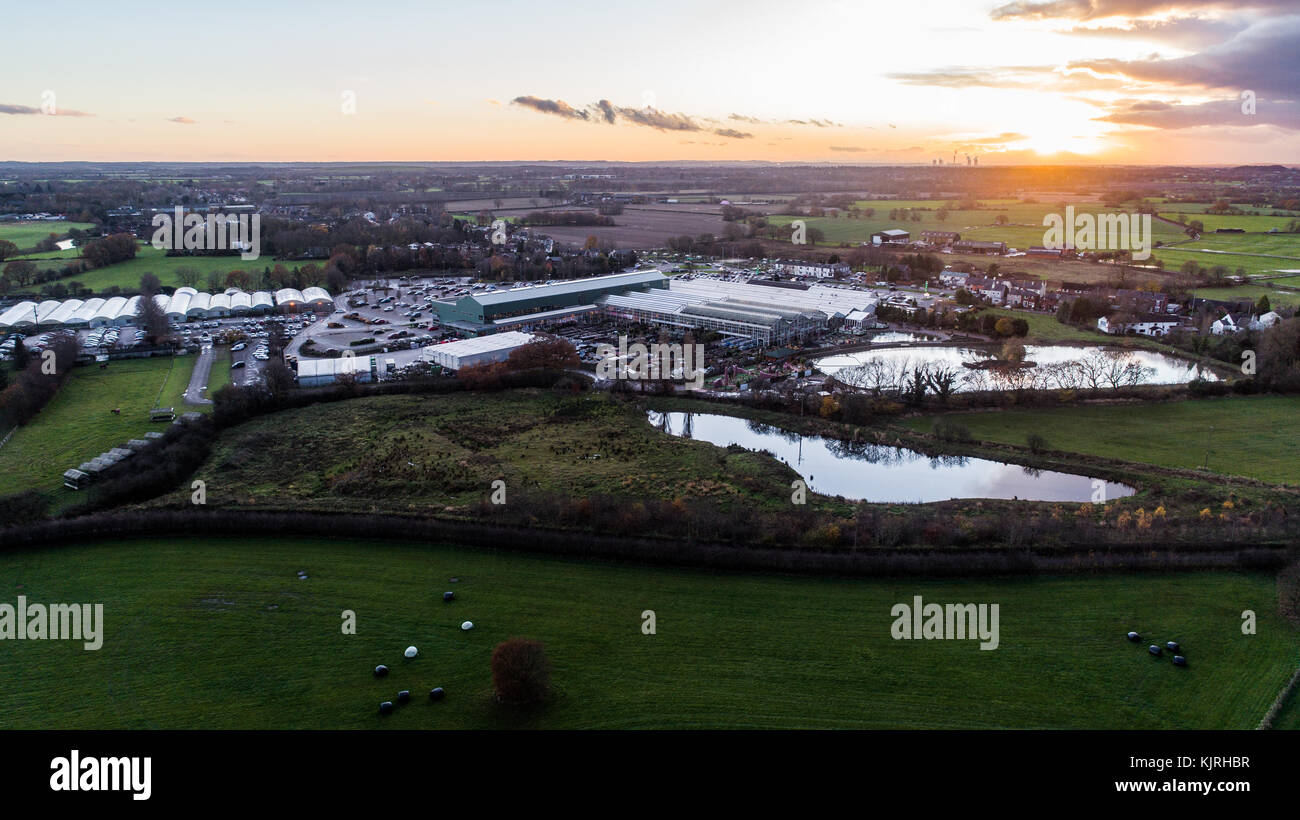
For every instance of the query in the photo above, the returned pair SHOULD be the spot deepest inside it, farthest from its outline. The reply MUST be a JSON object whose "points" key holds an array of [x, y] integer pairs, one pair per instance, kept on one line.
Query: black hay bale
{"points": [[1155, 650], [1134, 637], [381, 670], [448, 596], [404, 696], [1179, 660], [1172, 646], [386, 707], [436, 693]]}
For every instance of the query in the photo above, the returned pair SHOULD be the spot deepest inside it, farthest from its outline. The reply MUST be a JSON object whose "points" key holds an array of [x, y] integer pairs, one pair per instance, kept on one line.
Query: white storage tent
{"points": [[494, 348], [22, 314], [198, 306]]}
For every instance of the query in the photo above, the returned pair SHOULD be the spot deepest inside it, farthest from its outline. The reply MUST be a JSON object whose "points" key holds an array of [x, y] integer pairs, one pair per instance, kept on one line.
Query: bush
{"points": [[1037, 443], [521, 672], [950, 430], [369, 340]]}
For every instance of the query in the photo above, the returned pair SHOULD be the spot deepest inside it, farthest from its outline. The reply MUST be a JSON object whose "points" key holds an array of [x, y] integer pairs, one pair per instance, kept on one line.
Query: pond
{"points": [[1057, 366], [881, 473]]}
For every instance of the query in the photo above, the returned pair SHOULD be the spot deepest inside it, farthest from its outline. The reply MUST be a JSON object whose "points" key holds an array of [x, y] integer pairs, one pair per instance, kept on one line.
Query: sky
{"points": [[1087, 81]]}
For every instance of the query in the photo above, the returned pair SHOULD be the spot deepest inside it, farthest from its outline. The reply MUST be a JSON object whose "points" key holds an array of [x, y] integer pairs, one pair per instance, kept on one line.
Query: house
{"points": [[1266, 321], [1150, 324], [953, 278], [1227, 324], [816, 270]]}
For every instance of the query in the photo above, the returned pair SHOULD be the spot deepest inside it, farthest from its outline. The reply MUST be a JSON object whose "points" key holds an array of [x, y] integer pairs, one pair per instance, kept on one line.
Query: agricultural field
{"points": [[27, 234], [148, 259], [79, 424], [223, 634], [1276, 298], [1024, 221], [410, 453], [1251, 436]]}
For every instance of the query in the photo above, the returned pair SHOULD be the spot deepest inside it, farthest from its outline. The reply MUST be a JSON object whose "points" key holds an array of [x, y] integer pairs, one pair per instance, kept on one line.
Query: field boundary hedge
{"points": [[864, 562]]}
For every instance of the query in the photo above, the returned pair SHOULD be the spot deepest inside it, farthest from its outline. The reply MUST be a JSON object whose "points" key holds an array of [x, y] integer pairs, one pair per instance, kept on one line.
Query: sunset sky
{"points": [[1114, 81]]}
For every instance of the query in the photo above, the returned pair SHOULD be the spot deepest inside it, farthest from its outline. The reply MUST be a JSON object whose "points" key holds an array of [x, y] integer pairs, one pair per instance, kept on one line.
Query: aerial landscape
{"points": [[770, 380]]}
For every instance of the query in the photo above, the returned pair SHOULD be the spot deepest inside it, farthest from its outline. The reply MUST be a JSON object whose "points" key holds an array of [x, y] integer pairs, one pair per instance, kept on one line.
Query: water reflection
{"points": [[1058, 366], [867, 470]]}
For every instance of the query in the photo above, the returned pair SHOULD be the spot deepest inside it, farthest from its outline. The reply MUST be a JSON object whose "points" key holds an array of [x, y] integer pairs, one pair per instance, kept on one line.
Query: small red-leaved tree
{"points": [[521, 673]]}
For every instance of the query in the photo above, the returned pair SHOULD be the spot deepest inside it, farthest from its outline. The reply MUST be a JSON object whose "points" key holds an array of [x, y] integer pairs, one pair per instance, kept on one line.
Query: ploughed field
{"points": [[223, 633]]}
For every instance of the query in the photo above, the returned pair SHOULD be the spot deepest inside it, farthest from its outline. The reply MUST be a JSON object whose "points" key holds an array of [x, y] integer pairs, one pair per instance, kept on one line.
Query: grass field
{"points": [[78, 423], [1024, 221], [126, 275], [27, 234], [221, 634], [1252, 436], [416, 452], [1251, 292]]}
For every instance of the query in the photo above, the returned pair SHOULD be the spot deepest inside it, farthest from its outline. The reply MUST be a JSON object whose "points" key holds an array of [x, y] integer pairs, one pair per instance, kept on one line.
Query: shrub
{"points": [[1037, 444], [950, 430], [521, 672]]}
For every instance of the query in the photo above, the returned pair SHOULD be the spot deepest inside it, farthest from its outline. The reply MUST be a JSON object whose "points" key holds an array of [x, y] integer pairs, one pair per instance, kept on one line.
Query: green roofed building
{"points": [[483, 312]]}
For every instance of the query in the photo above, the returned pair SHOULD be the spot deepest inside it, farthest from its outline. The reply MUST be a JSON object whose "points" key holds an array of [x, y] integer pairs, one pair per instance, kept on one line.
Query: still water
{"points": [[874, 472], [1164, 369]]}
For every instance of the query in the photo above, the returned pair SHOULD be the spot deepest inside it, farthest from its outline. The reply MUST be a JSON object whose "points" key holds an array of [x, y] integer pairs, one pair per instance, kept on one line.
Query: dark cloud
{"points": [[558, 108], [817, 123], [1164, 115], [659, 120], [8, 108], [647, 116], [1264, 58]]}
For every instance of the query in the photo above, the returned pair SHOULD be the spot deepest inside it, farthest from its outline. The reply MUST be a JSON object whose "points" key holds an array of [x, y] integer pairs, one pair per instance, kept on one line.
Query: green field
{"points": [[78, 423], [1252, 436], [1024, 221], [221, 634], [27, 234], [1252, 292], [126, 275]]}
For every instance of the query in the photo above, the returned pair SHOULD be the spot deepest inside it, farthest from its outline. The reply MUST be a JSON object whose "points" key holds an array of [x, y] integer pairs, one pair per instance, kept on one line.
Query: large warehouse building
{"points": [[770, 314], [479, 350], [184, 305], [481, 313]]}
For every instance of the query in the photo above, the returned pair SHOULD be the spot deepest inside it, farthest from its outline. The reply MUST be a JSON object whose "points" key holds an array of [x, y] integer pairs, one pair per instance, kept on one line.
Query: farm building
{"points": [[976, 246], [891, 236], [939, 237], [494, 348]]}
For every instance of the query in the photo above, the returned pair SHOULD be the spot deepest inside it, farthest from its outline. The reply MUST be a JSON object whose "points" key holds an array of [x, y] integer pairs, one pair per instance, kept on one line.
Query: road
{"points": [[199, 378]]}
